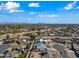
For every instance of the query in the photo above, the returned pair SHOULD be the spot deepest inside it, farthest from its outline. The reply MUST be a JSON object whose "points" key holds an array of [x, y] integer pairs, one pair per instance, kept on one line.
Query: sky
{"points": [[48, 12]]}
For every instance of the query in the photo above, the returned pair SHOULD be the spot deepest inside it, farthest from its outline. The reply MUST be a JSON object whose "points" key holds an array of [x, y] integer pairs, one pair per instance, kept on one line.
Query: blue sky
{"points": [[52, 12]]}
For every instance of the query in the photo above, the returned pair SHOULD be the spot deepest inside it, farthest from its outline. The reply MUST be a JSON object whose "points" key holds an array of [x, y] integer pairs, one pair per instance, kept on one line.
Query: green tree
{"points": [[32, 37], [22, 55], [7, 37]]}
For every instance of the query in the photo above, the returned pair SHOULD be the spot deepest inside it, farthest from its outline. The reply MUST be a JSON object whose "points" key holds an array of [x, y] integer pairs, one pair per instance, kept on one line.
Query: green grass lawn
{"points": [[22, 55]]}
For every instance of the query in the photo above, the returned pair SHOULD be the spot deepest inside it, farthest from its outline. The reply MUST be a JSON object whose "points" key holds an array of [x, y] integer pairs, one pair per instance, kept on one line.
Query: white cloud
{"points": [[12, 11], [77, 7], [11, 7], [29, 18], [33, 5], [48, 15], [31, 13], [70, 6]]}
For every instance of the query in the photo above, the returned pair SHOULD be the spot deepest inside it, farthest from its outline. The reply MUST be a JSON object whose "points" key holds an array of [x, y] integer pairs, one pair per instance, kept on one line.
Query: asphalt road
{"points": [[12, 35]]}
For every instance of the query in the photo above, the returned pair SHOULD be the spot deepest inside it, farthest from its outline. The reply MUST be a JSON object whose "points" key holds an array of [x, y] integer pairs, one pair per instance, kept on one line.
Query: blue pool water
{"points": [[39, 42]]}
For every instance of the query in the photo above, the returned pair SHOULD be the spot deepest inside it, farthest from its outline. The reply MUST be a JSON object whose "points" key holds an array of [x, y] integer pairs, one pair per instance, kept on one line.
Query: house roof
{"points": [[4, 47]]}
